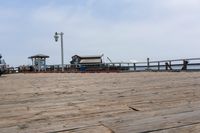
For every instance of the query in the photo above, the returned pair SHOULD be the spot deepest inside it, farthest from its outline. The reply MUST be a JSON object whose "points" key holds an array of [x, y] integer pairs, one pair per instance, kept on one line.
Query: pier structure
{"points": [[95, 64]]}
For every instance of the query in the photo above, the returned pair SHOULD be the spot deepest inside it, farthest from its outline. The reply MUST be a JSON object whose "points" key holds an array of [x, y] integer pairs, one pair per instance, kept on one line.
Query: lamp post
{"points": [[56, 36]]}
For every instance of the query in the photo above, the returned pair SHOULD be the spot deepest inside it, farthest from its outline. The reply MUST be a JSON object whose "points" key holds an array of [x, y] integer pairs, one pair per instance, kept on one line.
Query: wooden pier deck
{"points": [[100, 103]]}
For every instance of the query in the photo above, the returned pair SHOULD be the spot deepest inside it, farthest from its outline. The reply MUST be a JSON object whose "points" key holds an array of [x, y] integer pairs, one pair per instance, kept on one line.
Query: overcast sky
{"points": [[123, 30]]}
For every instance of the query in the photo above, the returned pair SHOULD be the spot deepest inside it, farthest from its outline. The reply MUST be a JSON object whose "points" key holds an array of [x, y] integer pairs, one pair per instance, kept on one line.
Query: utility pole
{"points": [[56, 36]]}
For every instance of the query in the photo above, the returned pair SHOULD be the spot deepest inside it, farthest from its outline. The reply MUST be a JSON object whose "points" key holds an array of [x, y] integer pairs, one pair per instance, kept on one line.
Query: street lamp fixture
{"points": [[56, 36]]}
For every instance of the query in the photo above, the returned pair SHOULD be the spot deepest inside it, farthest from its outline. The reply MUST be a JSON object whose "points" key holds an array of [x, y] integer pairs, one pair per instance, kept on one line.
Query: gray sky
{"points": [[123, 30]]}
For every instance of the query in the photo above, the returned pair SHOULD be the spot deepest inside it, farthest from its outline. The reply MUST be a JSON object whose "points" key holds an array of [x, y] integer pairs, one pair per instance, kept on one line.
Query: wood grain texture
{"points": [[100, 103]]}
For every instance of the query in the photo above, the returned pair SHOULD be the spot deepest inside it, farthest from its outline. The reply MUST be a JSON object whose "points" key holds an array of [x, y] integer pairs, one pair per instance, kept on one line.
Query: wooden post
{"points": [[185, 63], [148, 64], [134, 65], [170, 65], [166, 66]]}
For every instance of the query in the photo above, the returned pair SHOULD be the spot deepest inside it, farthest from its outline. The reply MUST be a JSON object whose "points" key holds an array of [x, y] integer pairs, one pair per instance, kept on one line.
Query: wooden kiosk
{"points": [[39, 62]]}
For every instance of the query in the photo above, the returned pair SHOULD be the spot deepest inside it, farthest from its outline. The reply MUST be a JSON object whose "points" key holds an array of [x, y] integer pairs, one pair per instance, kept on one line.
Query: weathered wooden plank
{"points": [[130, 102]]}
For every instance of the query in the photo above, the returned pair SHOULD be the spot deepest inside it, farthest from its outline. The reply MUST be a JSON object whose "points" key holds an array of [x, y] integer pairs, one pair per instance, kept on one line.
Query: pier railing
{"points": [[190, 64]]}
